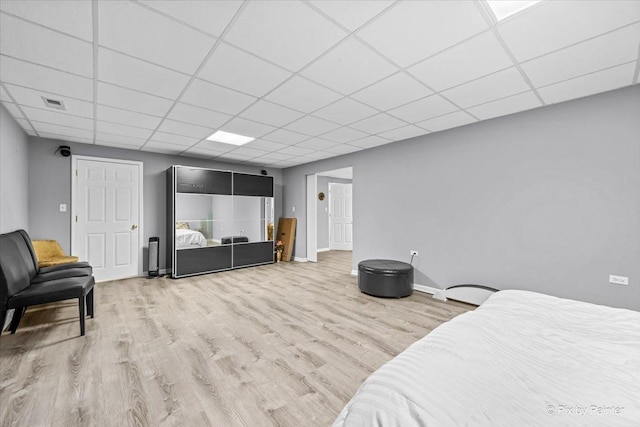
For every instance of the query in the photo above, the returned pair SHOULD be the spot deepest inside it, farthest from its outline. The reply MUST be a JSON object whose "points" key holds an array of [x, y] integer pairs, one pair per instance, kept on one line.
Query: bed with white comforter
{"points": [[520, 359], [186, 238]]}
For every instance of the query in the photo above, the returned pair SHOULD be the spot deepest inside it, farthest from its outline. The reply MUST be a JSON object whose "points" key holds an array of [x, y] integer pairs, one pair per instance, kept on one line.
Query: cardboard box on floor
{"points": [[287, 233]]}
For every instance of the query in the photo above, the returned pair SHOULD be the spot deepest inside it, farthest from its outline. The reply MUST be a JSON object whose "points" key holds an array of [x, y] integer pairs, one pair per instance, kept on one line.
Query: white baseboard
{"points": [[323, 250], [300, 259], [437, 293], [354, 272]]}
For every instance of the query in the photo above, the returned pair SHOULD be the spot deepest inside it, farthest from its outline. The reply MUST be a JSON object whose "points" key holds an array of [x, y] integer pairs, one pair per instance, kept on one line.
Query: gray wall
{"points": [[14, 177], [545, 200], [323, 209], [50, 185]]}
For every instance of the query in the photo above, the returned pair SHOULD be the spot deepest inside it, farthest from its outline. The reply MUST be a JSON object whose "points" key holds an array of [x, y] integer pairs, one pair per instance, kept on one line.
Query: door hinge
{"points": [[76, 172], [76, 218]]}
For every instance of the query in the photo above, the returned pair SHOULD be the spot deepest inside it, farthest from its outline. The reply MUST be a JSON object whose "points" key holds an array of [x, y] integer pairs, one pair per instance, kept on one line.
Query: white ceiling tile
{"points": [[414, 30], [510, 105], [319, 155], [271, 114], [158, 39], [231, 156], [13, 109], [198, 116], [33, 98], [110, 139], [589, 84], [31, 42], [495, 86], [179, 128], [62, 130], [247, 128], [479, 56], [31, 132], [119, 145], [261, 144], [343, 149], [211, 17], [302, 95], [392, 92], [200, 154], [239, 70], [276, 157], [246, 151], [170, 138], [344, 134], [447, 121], [294, 150], [24, 124], [349, 67], [606, 51], [312, 126], [124, 130], [370, 142], [41, 78], [123, 70], [557, 24], [214, 97], [65, 138], [345, 111], [69, 16], [162, 147], [351, 14], [316, 144], [219, 147], [284, 136], [425, 108], [57, 117], [296, 34], [119, 97], [4, 96], [378, 123], [124, 117], [404, 132]]}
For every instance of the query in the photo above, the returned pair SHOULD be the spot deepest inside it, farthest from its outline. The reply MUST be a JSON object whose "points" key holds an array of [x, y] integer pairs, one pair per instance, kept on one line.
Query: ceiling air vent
{"points": [[53, 103]]}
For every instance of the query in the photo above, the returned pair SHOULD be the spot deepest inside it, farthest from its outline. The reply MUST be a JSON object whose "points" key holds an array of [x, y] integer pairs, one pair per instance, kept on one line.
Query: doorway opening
{"points": [[330, 214]]}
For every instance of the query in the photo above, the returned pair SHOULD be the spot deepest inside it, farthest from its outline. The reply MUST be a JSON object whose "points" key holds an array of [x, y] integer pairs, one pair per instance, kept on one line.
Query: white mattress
{"points": [[520, 359], [186, 238]]}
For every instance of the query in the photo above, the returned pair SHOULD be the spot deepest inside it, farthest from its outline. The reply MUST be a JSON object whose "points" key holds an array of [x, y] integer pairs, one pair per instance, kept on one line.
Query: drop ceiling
{"points": [[307, 79]]}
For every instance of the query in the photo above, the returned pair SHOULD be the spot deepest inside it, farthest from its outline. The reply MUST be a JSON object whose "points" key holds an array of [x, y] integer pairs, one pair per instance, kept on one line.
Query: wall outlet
{"points": [[63, 207], [413, 253], [618, 280]]}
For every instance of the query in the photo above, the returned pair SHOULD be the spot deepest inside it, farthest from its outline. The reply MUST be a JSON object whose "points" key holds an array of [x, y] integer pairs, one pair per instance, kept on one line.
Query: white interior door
{"points": [[107, 213], [340, 216]]}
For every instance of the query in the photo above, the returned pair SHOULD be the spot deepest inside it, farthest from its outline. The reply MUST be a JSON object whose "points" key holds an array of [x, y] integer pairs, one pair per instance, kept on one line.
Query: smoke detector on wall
{"points": [[53, 103]]}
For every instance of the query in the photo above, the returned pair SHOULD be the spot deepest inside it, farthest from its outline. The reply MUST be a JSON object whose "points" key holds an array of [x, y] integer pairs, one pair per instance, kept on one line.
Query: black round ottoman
{"points": [[385, 278]]}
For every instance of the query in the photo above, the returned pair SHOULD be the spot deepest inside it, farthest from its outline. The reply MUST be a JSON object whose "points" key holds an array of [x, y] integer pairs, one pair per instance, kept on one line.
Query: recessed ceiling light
{"points": [[229, 138], [504, 8]]}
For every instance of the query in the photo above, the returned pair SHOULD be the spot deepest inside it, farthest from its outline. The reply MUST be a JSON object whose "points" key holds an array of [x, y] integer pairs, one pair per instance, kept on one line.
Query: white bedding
{"points": [[186, 238], [520, 359]]}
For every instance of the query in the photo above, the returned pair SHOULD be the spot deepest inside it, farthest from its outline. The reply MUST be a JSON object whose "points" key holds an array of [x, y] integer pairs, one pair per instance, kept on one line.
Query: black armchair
{"points": [[23, 284]]}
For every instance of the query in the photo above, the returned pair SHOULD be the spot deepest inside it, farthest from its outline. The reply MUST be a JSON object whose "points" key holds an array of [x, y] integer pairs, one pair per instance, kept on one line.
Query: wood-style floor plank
{"points": [[279, 345]]}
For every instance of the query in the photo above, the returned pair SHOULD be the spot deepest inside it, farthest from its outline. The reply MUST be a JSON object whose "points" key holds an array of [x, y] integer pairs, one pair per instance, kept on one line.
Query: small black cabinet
{"points": [[217, 220]]}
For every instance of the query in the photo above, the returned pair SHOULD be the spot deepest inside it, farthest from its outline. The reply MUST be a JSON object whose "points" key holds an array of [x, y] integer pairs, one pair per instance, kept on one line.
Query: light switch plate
{"points": [[63, 207]]}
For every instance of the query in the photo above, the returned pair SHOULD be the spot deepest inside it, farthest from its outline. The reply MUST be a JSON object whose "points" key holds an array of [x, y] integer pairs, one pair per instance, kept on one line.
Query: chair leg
{"points": [[90, 303], [17, 315], [3, 317], [81, 309]]}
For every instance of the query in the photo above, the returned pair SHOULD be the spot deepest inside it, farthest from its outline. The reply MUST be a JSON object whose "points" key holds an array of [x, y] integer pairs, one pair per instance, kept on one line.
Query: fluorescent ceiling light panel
{"points": [[504, 8], [229, 138]]}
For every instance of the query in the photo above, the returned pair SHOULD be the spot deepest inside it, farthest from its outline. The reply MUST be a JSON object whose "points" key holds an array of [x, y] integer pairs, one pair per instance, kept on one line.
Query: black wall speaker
{"points": [[154, 256], [64, 150]]}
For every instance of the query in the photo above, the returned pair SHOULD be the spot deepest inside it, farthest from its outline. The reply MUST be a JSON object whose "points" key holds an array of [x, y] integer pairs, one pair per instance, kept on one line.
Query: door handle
{"points": [[134, 226]]}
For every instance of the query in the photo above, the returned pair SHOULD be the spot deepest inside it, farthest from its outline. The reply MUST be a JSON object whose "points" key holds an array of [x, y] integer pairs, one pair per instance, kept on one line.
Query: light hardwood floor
{"points": [[285, 344]]}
